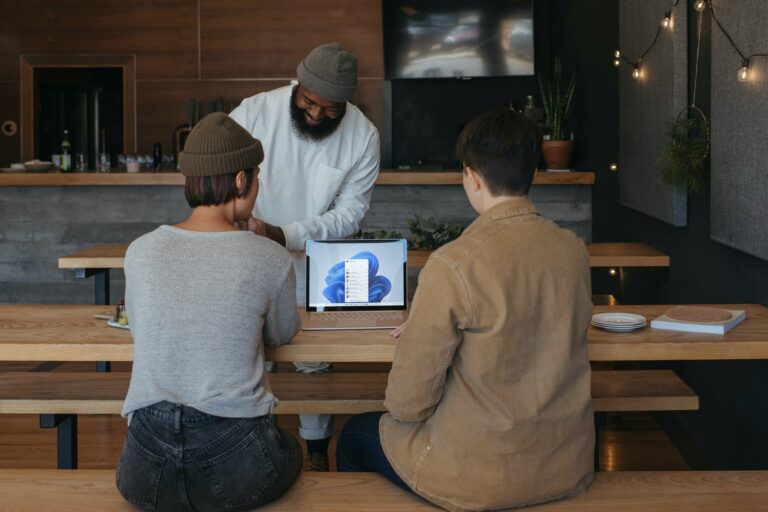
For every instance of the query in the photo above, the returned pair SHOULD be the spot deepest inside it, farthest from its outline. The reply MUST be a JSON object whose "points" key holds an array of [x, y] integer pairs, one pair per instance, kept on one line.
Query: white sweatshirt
{"points": [[311, 189]]}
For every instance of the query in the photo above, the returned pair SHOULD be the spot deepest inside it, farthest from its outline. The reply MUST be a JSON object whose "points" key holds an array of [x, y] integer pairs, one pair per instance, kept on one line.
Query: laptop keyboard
{"points": [[333, 316]]}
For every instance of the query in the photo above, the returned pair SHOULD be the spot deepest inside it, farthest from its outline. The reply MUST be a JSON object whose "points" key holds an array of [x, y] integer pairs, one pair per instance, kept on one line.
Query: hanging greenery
{"points": [[683, 162]]}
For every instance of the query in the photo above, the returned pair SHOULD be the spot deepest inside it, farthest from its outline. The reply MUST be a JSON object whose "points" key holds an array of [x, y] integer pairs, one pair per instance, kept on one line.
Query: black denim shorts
{"points": [[178, 458]]}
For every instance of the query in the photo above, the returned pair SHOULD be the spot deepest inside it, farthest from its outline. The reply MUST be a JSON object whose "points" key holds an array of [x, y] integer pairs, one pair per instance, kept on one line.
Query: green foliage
{"points": [[379, 234], [427, 235], [683, 162], [431, 235], [556, 100]]}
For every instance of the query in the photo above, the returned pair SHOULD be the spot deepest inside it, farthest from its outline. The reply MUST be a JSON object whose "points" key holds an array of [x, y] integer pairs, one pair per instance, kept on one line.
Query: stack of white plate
{"points": [[619, 322]]}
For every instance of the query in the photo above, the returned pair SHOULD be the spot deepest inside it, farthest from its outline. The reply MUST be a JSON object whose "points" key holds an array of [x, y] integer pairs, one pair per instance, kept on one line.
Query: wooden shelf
{"points": [[386, 177]]}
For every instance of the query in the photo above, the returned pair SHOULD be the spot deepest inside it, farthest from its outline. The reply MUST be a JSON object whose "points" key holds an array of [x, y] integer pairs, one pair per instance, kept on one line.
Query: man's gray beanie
{"points": [[329, 71]]}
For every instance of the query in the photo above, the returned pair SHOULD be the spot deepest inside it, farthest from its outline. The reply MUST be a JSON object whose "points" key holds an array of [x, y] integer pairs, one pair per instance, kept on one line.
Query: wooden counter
{"points": [[58, 179]]}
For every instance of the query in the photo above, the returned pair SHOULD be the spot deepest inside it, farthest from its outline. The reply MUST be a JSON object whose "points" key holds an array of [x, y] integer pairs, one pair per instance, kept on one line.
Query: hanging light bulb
{"points": [[700, 5], [617, 54], [636, 73], [666, 21], [743, 74], [617, 62]]}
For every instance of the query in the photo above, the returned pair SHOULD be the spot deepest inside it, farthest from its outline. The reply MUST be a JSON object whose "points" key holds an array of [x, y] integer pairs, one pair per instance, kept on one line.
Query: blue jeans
{"points": [[359, 448], [178, 458]]}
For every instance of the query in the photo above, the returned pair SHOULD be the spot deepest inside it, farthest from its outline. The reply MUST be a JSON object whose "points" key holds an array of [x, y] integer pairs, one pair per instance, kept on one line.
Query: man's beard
{"points": [[305, 130]]}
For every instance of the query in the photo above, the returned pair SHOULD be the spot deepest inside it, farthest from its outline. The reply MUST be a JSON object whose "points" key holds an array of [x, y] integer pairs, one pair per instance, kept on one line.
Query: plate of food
{"points": [[112, 323]]}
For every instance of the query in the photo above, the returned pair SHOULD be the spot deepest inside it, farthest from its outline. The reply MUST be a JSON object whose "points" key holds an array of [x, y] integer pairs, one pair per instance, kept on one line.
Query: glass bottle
{"points": [[66, 156]]}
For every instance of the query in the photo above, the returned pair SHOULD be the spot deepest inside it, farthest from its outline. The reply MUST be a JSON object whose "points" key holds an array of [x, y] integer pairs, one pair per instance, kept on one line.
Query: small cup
{"points": [[56, 159], [132, 166], [81, 162], [104, 162]]}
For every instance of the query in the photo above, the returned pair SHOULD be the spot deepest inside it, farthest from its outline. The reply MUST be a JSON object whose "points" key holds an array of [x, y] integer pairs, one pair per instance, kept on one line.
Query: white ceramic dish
{"points": [[112, 323], [619, 322]]}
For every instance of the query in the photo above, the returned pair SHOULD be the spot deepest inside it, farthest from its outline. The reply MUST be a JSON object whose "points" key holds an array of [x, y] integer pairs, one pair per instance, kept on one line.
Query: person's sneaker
{"points": [[316, 461]]}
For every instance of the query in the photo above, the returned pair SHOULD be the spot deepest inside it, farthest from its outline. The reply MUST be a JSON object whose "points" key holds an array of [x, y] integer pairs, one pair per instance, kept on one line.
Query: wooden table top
{"points": [[600, 255], [625, 254], [70, 333], [385, 178]]}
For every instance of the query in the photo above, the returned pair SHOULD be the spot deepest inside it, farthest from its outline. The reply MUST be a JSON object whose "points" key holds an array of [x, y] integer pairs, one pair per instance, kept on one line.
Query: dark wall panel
{"points": [[268, 38], [162, 33], [10, 146], [648, 105], [739, 124]]}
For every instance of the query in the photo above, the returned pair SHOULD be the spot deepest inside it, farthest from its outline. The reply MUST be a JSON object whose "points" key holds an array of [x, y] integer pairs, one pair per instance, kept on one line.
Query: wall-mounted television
{"points": [[457, 38]]}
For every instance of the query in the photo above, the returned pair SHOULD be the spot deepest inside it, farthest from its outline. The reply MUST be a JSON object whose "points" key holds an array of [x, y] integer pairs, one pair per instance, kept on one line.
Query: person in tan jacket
{"points": [[488, 398]]}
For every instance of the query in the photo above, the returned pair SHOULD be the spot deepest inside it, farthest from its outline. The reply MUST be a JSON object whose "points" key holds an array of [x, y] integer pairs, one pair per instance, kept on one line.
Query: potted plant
{"points": [[556, 98]]}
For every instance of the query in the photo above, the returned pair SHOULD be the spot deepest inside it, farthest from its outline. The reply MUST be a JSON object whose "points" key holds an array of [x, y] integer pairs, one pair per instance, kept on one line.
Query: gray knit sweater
{"points": [[201, 306]]}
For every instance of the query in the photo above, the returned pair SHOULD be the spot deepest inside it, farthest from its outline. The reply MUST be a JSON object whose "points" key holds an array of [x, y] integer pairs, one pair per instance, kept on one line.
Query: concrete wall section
{"points": [[40, 224]]}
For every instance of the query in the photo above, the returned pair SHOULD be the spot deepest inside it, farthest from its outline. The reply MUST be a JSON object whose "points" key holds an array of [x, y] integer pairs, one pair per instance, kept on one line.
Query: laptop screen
{"points": [[356, 274]]}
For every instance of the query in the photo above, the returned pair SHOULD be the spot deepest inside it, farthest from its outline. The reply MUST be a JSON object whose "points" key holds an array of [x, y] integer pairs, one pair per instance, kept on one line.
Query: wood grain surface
{"points": [[46, 490], [329, 393], [601, 255], [70, 333], [386, 177]]}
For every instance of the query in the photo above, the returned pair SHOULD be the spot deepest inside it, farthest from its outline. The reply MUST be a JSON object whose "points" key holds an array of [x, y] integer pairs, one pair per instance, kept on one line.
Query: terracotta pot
{"points": [[557, 153]]}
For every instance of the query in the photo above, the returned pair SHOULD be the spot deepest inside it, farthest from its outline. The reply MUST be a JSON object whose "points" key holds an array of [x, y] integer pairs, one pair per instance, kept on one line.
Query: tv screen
{"points": [[457, 38]]}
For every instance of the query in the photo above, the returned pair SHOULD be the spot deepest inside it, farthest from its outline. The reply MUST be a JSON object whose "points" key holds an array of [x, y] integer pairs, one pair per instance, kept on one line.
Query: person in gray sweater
{"points": [[202, 299]]}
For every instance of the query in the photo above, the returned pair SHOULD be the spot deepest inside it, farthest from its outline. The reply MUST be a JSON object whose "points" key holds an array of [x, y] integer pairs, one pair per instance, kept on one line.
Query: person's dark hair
{"points": [[503, 146], [214, 190]]}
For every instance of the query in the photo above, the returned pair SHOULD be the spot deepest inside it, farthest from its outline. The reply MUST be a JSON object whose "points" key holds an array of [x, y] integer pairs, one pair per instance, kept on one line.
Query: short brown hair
{"points": [[503, 146], [215, 190]]}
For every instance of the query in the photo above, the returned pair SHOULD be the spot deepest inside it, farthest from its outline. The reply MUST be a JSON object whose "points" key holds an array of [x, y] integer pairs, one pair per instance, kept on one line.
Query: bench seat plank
{"points": [[320, 393], [44, 490]]}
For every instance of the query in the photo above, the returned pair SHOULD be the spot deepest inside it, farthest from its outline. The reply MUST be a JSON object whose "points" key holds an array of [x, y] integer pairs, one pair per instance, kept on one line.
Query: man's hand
{"points": [[395, 333], [257, 226], [261, 228]]}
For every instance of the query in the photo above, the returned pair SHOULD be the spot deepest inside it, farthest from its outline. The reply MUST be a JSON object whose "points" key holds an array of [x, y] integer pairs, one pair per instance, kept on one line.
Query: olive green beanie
{"points": [[218, 145], [329, 71]]}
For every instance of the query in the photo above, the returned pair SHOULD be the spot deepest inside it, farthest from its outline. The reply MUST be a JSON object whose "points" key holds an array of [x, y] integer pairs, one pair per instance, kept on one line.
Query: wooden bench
{"points": [[36, 490], [59, 397]]}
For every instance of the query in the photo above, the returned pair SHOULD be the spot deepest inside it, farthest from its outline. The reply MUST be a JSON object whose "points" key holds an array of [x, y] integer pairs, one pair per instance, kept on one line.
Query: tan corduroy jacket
{"points": [[489, 394]]}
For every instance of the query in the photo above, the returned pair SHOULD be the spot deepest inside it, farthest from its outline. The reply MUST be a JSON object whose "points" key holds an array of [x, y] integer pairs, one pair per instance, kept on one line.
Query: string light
{"points": [[743, 74], [613, 167], [666, 21]]}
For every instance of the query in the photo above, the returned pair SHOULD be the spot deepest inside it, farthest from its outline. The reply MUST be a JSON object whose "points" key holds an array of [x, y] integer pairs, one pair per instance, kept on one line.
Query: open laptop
{"points": [[356, 284]]}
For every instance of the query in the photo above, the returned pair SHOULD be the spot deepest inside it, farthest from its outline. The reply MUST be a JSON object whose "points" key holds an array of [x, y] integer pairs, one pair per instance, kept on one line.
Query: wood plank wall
{"points": [[207, 49]]}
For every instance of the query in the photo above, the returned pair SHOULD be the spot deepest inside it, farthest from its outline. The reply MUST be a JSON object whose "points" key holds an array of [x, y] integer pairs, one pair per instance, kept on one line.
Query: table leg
{"points": [[101, 282], [102, 286], [66, 438]]}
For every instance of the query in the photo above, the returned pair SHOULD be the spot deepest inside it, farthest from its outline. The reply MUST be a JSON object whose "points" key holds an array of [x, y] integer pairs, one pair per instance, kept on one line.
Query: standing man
{"points": [[322, 159]]}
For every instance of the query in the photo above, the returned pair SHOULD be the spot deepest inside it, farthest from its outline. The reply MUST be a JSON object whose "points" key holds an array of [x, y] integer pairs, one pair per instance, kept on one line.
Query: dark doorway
{"points": [[87, 102]]}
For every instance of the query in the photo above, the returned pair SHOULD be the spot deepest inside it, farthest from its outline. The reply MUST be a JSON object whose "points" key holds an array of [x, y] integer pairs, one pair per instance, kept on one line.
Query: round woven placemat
{"points": [[698, 314]]}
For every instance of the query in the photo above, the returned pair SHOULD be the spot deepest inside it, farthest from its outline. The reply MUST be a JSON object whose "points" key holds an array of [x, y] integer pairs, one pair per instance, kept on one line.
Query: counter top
{"points": [[386, 177]]}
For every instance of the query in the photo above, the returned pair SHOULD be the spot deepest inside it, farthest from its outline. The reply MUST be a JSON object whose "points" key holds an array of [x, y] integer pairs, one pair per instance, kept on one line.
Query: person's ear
{"points": [[475, 179], [240, 182]]}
